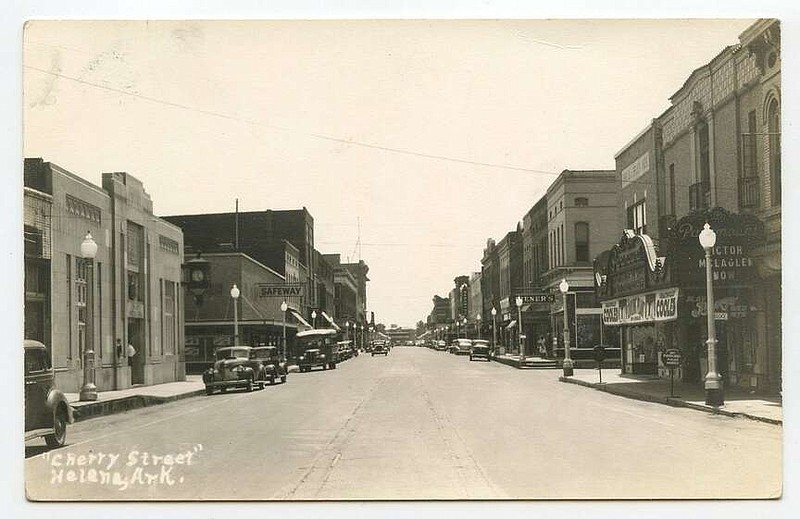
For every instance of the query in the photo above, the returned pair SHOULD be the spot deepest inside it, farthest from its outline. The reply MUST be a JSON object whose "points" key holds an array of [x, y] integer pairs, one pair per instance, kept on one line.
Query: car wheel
{"points": [[249, 386], [209, 391], [272, 380], [333, 365], [223, 390], [59, 436], [283, 379]]}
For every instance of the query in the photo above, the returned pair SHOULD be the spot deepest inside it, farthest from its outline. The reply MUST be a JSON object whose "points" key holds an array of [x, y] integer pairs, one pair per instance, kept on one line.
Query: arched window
{"points": [[774, 129], [581, 242]]}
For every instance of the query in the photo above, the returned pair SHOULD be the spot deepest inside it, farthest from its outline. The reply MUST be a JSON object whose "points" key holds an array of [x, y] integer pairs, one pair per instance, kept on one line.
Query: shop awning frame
{"points": [[330, 320]]}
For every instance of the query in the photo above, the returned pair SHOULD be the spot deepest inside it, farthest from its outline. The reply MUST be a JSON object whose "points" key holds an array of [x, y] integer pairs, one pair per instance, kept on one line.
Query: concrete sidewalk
{"points": [[110, 402], [738, 402]]}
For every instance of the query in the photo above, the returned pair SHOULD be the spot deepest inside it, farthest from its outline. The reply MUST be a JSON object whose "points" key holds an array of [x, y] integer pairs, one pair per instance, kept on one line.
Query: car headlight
{"points": [[302, 357], [322, 356]]}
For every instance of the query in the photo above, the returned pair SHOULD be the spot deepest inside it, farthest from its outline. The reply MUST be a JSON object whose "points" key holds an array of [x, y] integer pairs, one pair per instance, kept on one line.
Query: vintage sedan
{"points": [[461, 346], [273, 368], [479, 350], [380, 348], [47, 411], [234, 367]]}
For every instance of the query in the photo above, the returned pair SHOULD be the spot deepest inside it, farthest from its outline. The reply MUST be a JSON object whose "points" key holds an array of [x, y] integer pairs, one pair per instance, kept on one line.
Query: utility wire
{"points": [[290, 130]]}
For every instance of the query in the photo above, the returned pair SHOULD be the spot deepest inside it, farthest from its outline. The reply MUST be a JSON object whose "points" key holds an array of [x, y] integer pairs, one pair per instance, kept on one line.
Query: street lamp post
{"points": [[314, 318], [713, 381], [88, 391], [519, 330], [284, 308], [235, 295], [347, 330], [568, 367], [478, 320], [466, 331], [494, 329]]}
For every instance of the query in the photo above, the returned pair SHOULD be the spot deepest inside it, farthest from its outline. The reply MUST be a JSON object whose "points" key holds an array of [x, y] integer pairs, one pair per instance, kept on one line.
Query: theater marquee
{"points": [[650, 307]]}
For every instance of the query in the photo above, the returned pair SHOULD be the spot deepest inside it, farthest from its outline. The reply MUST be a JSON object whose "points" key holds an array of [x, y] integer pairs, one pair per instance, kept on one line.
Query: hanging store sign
{"points": [[651, 307]]}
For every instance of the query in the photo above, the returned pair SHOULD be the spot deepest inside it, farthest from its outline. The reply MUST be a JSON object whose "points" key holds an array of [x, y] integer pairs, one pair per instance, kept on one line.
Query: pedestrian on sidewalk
{"points": [[131, 352]]}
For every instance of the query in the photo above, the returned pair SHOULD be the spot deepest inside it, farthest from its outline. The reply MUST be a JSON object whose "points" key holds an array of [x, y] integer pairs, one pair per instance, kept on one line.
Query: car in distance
{"points": [[380, 348], [461, 346], [234, 367], [441, 346], [272, 367], [479, 350], [47, 411]]}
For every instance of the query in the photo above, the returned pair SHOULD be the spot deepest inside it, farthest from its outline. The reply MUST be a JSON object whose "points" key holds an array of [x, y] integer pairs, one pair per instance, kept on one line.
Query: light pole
{"points": [[494, 329], [478, 320], [568, 367], [284, 308], [519, 330], [235, 296], [89, 389], [466, 331], [713, 382], [314, 317], [347, 330]]}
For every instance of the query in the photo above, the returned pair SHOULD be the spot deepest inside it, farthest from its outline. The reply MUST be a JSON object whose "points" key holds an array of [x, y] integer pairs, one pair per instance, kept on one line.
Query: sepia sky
{"points": [[433, 135]]}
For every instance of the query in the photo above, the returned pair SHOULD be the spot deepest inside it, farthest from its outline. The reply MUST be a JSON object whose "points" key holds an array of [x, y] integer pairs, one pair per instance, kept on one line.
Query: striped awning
{"points": [[299, 317], [512, 324], [330, 320]]}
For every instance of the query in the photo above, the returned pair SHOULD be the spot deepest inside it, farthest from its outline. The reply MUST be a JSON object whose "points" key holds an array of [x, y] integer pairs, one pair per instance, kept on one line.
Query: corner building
{"points": [[130, 294], [713, 156]]}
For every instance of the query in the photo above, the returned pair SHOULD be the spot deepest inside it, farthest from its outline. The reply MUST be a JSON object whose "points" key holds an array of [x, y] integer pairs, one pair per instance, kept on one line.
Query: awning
{"points": [[511, 324], [328, 318], [299, 318]]}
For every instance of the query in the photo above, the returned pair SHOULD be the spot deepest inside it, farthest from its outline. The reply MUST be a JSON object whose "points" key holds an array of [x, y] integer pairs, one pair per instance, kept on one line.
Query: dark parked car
{"points": [[380, 348], [234, 367], [47, 411], [479, 350], [272, 366]]}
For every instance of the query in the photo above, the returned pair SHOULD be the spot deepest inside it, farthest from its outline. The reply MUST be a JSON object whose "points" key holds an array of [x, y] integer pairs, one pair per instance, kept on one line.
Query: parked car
{"points": [[234, 367], [273, 368], [441, 346], [47, 412], [380, 348], [479, 350]]}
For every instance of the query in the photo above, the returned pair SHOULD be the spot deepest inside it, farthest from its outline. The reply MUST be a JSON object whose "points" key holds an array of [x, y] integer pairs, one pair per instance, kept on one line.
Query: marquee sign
{"points": [[630, 267], [650, 307]]}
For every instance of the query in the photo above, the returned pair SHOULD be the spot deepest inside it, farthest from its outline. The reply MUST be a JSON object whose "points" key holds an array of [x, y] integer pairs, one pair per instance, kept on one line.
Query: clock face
{"points": [[197, 275]]}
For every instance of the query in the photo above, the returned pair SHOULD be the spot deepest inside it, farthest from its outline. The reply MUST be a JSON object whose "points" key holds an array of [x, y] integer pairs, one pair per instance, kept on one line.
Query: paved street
{"points": [[417, 424]]}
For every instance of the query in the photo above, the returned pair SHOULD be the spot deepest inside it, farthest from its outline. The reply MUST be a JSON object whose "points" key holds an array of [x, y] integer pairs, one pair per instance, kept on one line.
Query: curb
{"points": [[516, 364], [666, 400], [120, 405]]}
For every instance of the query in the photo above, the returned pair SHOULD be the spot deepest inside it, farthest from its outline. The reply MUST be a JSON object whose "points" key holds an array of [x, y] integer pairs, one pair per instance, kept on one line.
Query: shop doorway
{"points": [[136, 338]]}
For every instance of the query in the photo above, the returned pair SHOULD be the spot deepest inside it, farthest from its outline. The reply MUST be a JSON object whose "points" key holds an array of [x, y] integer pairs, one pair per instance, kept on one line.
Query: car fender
{"points": [[54, 399]]}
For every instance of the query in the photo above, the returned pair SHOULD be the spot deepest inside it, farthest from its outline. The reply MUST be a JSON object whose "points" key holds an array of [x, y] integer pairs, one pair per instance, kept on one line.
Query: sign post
{"points": [[672, 360]]}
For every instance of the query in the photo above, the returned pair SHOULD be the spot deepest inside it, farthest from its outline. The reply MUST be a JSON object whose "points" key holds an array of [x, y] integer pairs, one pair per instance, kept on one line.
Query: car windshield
{"points": [[233, 353], [264, 353]]}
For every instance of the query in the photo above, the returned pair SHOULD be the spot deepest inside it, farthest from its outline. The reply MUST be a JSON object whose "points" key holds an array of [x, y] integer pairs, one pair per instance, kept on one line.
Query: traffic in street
{"points": [[414, 423]]}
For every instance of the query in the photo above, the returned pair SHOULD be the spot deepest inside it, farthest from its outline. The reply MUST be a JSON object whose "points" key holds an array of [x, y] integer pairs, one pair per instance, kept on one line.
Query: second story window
{"points": [[637, 218], [581, 202]]}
